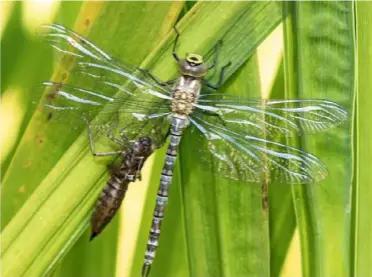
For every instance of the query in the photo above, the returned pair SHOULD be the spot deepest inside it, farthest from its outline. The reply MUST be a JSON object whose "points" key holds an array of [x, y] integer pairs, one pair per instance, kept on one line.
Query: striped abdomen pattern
{"points": [[177, 126], [121, 176]]}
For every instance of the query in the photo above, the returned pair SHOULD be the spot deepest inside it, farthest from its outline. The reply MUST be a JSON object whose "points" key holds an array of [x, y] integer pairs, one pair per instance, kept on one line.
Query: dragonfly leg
{"points": [[109, 135], [138, 171], [123, 136], [220, 79], [122, 143], [112, 137], [170, 82], [215, 51], [91, 144], [175, 44], [156, 80]]}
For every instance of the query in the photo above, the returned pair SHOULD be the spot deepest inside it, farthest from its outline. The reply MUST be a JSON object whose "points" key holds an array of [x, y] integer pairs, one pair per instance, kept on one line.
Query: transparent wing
{"points": [[86, 102], [271, 117], [122, 129], [252, 159], [97, 79], [94, 63], [119, 103]]}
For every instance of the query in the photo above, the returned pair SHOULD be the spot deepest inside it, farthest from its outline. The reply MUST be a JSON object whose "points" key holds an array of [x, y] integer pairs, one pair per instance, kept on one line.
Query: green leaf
{"points": [[320, 64], [362, 221], [281, 211]]}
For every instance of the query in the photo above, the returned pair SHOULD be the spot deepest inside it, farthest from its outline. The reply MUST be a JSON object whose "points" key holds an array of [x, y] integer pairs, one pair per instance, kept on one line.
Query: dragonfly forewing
{"points": [[273, 117], [101, 91]]}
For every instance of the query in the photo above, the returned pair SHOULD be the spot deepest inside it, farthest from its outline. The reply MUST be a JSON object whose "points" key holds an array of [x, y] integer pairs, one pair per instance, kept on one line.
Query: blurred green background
{"points": [[214, 227]]}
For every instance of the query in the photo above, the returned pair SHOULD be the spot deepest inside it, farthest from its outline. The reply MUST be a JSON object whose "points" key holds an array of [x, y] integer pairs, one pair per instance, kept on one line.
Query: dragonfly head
{"points": [[193, 65]]}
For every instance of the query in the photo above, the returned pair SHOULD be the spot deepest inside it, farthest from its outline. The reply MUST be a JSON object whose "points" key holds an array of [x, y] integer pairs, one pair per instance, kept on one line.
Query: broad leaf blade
{"points": [[362, 221], [320, 64], [281, 210]]}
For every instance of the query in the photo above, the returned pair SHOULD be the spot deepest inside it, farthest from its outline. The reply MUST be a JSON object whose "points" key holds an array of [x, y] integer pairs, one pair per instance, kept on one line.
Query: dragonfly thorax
{"points": [[193, 65], [185, 95]]}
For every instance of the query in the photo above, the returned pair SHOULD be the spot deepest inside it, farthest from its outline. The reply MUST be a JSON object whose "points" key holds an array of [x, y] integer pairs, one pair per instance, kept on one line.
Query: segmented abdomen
{"points": [[108, 203], [121, 175]]}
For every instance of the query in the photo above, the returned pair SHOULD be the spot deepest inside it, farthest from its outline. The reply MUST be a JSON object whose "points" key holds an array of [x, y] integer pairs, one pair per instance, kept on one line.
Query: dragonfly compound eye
{"points": [[193, 66], [194, 59]]}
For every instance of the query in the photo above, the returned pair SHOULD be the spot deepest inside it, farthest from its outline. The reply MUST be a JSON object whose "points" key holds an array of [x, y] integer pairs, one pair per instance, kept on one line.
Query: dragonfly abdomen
{"points": [[177, 126]]}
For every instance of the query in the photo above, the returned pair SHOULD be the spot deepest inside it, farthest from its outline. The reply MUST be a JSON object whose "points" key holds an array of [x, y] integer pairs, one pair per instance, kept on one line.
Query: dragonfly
{"points": [[237, 132]]}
